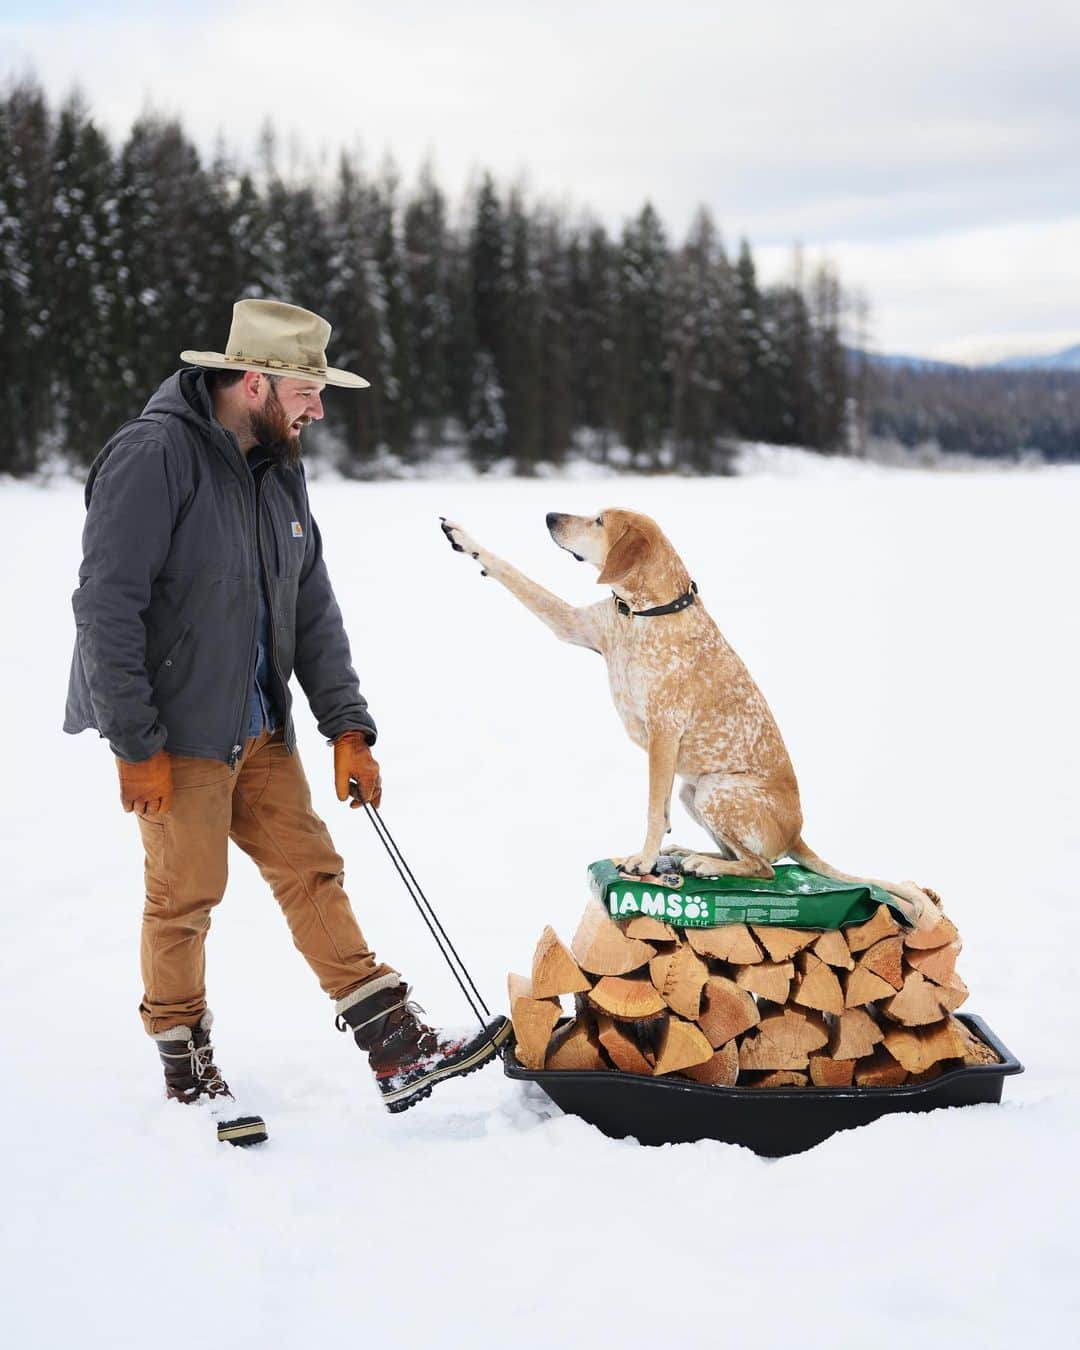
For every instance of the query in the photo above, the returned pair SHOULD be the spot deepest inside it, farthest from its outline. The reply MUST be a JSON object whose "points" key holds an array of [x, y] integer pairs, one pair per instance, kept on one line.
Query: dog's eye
{"points": [[599, 520]]}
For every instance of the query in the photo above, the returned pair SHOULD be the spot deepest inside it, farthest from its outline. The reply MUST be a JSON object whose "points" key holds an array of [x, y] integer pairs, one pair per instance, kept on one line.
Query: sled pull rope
{"points": [[423, 904]]}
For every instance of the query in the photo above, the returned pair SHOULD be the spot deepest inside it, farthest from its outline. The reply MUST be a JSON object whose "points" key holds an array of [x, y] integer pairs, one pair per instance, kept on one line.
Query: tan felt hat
{"points": [[277, 339]]}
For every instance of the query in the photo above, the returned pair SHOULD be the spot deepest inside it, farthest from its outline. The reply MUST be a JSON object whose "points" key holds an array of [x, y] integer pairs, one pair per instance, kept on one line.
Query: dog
{"points": [[684, 697]]}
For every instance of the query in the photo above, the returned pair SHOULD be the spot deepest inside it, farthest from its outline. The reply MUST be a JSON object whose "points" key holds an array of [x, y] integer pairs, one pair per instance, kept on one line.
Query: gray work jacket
{"points": [[177, 528]]}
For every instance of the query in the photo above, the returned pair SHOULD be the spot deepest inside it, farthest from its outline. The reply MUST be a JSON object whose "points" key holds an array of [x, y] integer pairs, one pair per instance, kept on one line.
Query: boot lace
{"points": [[205, 1072]]}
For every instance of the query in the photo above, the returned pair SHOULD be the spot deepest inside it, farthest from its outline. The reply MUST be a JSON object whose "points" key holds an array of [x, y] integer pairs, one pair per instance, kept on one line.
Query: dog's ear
{"points": [[627, 552]]}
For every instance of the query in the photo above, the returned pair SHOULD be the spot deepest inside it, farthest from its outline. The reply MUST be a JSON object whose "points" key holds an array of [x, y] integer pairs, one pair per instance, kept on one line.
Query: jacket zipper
{"points": [[238, 748], [283, 699]]}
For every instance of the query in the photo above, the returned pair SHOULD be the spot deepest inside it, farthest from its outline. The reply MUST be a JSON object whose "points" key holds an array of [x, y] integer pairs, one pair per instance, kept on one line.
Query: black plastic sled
{"points": [[774, 1122]]}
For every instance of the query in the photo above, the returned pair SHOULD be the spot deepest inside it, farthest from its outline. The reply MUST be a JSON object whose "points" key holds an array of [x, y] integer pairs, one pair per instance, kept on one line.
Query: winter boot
{"points": [[192, 1076], [406, 1055]]}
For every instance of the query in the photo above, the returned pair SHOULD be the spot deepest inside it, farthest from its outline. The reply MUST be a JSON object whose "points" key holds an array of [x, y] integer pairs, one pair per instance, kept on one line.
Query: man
{"points": [[202, 589]]}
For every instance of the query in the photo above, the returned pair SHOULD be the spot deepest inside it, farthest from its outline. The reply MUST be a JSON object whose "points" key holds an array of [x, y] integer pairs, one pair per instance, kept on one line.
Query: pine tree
{"points": [[389, 250], [518, 361], [487, 422], [427, 258], [644, 370]]}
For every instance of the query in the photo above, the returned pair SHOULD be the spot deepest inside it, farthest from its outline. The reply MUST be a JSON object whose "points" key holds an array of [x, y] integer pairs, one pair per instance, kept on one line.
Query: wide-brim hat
{"points": [[277, 339]]}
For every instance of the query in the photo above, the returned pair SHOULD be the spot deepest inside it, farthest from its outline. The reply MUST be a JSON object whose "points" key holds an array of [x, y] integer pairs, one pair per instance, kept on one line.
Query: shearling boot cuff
{"points": [[183, 1033], [366, 990]]}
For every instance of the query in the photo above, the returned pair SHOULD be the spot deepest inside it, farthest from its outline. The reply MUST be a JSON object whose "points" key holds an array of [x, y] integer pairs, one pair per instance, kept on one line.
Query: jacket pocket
{"points": [[165, 665]]}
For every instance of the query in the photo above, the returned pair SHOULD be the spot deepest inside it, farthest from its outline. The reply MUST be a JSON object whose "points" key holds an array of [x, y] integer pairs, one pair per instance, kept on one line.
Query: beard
{"points": [[273, 431]]}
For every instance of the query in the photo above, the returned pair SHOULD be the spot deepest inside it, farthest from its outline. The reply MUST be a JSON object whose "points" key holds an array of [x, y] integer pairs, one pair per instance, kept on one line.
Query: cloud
{"points": [[869, 129]]}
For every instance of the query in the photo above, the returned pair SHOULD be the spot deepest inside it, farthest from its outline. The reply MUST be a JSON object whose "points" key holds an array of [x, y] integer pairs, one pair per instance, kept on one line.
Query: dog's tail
{"points": [[915, 902]]}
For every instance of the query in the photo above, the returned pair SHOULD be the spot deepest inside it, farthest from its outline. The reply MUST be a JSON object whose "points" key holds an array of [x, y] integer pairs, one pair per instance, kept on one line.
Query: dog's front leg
{"points": [[663, 752], [579, 626]]}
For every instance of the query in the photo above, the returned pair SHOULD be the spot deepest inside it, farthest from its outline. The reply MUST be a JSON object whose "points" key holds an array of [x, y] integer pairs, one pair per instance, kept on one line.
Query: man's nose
{"points": [[315, 409]]}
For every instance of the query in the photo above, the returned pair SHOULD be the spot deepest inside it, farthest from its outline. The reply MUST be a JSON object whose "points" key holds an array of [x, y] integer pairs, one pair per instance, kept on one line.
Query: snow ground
{"points": [[916, 635]]}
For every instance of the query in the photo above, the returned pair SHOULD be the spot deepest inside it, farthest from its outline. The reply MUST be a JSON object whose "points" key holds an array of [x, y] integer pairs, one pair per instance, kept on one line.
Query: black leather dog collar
{"points": [[683, 602]]}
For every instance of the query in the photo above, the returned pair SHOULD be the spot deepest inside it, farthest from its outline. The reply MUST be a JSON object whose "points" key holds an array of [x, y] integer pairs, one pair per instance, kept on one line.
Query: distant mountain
{"points": [[895, 360], [1069, 359]]}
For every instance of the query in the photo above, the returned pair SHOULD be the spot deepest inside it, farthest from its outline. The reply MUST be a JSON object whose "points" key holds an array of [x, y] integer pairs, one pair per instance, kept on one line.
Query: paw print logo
{"points": [[693, 909]]}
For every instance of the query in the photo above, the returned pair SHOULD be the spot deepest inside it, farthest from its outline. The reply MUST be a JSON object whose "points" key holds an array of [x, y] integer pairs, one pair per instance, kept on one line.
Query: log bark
{"points": [[783, 1041], [722, 1070], [727, 1010], [681, 1046], [533, 1019], [601, 947], [817, 985], [621, 1046], [917, 1048], [885, 959], [831, 947], [783, 943], [679, 979], [731, 942], [554, 970], [770, 979], [854, 1035], [880, 1070], [880, 925], [573, 1047], [628, 1000], [828, 1072]]}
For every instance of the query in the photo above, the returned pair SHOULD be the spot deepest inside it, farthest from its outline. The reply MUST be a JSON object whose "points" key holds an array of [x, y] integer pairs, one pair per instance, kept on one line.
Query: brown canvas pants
{"points": [[264, 805]]}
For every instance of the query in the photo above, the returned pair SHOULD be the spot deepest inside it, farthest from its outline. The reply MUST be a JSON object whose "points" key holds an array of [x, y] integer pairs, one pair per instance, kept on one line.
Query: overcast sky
{"points": [[930, 149]]}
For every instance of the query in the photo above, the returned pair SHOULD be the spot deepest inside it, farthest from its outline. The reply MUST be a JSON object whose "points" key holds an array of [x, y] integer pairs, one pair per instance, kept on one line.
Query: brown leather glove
{"points": [[354, 763], [146, 786]]}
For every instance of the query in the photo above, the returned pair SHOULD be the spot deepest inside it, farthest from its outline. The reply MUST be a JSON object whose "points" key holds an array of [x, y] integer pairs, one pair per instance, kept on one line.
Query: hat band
{"points": [[273, 363]]}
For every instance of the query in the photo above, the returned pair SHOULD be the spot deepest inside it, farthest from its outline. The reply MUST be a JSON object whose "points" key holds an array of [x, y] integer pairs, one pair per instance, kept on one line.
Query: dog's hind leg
{"points": [[738, 814]]}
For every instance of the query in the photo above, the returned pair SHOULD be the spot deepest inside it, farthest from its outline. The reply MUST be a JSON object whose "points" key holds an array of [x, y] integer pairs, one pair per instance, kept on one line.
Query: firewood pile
{"points": [[869, 1005]]}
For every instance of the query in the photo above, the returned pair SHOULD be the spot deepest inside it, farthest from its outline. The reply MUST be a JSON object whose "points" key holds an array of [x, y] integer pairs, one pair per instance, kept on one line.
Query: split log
{"points": [[648, 929], [886, 959], [721, 1070], [679, 979], [880, 925], [863, 986], [730, 942], [602, 948], [626, 999], [937, 963], [831, 947], [727, 1011], [574, 1046], [917, 1004], [621, 1045], [953, 994], [534, 1020], [854, 1035], [783, 1041], [917, 1048], [770, 979], [940, 933], [976, 1051], [817, 985], [780, 1078], [681, 1046], [828, 1072], [782, 943], [880, 1070], [554, 970]]}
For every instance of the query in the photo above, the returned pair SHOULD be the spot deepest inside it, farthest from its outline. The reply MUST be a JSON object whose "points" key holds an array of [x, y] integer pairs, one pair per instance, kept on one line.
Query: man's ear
{"points": [[627, 552]]}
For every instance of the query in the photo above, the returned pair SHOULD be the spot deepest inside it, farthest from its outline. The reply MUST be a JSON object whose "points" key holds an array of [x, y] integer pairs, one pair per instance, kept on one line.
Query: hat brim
{"points": [[342, 379]]}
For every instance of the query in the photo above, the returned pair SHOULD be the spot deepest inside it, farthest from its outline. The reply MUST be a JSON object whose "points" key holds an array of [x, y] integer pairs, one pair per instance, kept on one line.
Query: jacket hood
{"points": [[184, 395]]}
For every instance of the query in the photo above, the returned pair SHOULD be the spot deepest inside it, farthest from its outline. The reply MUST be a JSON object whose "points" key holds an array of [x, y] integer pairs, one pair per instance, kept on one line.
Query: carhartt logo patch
{"points": [[297, 530]]}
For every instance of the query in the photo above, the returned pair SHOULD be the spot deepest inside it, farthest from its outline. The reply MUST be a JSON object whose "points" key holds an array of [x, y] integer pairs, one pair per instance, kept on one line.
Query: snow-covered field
{"points": [[917, 638]]}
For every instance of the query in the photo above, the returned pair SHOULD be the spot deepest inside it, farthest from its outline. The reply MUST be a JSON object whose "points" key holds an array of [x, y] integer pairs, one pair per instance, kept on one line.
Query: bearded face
{"points": [[273, 430]]}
